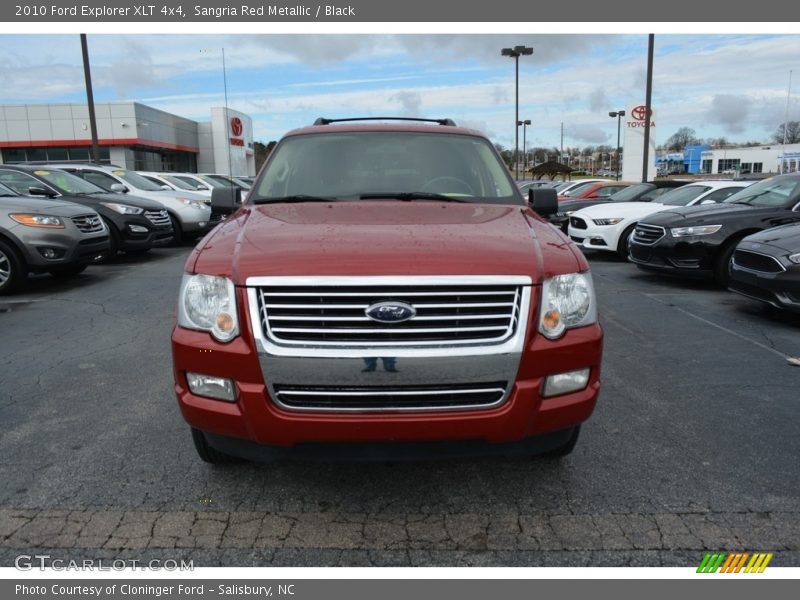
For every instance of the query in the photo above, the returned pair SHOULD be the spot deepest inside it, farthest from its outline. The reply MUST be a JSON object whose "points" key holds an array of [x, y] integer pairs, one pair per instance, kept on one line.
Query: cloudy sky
{"points": [[718, 84]]}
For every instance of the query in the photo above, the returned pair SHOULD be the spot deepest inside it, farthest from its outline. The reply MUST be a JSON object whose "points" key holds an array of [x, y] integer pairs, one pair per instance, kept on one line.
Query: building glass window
{"points": [[727, 164], [758, 167], [706, 168]]}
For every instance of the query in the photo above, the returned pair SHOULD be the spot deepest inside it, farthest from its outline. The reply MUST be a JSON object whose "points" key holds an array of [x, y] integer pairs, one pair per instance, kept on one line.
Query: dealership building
{"points": [[130, 135], [745, 160]]}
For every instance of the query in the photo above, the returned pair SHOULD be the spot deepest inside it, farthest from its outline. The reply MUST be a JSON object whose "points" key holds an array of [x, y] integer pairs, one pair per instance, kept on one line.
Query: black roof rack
{"points": [[324, 121]]}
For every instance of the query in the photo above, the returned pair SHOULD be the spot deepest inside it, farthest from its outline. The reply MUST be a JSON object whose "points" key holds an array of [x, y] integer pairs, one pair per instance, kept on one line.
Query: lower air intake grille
{"points": [[366, 399]]}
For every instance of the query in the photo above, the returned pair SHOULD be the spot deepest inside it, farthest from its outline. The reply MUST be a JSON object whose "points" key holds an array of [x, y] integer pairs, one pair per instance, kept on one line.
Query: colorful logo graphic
{"points": [[236, 126], [735, 562]]}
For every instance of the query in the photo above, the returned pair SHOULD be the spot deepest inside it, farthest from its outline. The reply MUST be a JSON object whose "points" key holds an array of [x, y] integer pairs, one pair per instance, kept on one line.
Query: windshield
{"points": [[774, 192], [137, 181], [178, 183], [67, 183], [682, 196], [349, 165], [6, 191], [629, 194], [578, 189]]}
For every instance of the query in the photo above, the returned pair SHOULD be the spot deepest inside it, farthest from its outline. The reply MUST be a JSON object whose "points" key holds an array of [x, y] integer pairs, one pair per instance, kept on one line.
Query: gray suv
{"points": [[42, 235]]}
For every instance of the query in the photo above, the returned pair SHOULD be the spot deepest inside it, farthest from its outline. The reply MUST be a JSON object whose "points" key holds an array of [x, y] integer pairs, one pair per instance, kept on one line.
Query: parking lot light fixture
{"points": [[524, 124], [515, 53], [618, 114]]}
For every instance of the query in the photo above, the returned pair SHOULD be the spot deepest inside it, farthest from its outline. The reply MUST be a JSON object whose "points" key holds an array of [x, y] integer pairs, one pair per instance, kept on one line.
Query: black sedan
{"points": [[766, 267], [700, 240], [641, 192], [135, 224]]}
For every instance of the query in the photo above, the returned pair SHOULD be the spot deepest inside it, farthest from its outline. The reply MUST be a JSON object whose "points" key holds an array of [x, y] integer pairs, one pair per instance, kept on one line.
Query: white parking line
{"points": [[716, 325]]}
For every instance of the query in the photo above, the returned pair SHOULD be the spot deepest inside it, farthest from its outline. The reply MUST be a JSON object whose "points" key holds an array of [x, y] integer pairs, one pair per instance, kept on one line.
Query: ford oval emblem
{"points": [[390, 312]]}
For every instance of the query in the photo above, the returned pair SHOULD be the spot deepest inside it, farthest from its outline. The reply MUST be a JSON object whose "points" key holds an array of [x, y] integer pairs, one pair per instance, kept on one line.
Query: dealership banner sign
{"points": [[465, 11]]}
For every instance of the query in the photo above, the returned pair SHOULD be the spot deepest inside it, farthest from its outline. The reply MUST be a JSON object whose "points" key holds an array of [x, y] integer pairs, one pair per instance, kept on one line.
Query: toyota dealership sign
{"points": [[633, 144]]}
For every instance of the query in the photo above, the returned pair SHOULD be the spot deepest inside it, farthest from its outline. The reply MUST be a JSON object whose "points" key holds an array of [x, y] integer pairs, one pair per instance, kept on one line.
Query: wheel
{"points": [[69, 271], [624, 244], [567, 447], [209, 454], [13, 270], [459, 183], [113, 242], [722, 272], [177, 230]]}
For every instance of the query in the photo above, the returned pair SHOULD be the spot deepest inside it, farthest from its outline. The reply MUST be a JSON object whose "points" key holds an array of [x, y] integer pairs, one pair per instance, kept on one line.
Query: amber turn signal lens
{"points": [[225, 322], [551, 319]]}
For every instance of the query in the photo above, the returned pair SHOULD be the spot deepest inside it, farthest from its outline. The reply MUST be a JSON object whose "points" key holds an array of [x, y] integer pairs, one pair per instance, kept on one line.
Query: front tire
{"points": [[209, 454], [13, 270], [722, 274], [566, 448], [624, 244], [177, 230]]}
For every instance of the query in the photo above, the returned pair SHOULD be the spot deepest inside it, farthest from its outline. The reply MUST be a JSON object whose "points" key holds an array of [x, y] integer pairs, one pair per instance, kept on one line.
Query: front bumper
{"points": [[71, 250], [257, 418], [157, 235], [194, 220], [781, 290], [688, 257], [594, 237]]}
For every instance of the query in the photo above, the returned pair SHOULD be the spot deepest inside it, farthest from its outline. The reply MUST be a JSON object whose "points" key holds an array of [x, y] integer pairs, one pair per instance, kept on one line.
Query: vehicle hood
{"points": [[785, 237], [57, 208], [705, 213], [385, 238], [625, 210], [162, 196], [137, 201]]}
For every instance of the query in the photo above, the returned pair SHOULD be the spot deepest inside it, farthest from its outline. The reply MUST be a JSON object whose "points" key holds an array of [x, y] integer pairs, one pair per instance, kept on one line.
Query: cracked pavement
{"points": [[693, 446]]}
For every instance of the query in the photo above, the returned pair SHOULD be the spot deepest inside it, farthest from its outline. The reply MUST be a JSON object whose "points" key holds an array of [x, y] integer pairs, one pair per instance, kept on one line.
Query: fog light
{"points": [[138, 229], [564, 383], [49, 253], [202, 223], [211, 387]]}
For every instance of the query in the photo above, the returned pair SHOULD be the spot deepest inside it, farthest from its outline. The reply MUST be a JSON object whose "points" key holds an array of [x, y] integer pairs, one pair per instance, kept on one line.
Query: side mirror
{"points": [[40, 191], [201, 187], [225, 200], [164, 186], [119, 188], [543, 200], [708, 202]]}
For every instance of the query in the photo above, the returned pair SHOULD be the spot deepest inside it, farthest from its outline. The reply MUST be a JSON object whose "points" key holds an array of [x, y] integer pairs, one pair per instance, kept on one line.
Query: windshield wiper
{"points": [[409, 196], [293, 198]]}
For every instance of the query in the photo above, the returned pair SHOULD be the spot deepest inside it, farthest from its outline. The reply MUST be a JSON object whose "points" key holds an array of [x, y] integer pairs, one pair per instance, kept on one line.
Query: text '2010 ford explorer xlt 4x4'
{"points": [[385, 291]]}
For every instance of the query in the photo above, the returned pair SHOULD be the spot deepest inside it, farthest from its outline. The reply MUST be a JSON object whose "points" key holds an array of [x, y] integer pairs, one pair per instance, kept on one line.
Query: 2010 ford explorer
{"points": [[385, 291]]}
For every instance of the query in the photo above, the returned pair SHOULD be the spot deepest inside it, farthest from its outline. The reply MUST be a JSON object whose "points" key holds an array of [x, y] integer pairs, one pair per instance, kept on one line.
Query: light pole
{"points": [[515, 53], [618, 114], [524, 124]]}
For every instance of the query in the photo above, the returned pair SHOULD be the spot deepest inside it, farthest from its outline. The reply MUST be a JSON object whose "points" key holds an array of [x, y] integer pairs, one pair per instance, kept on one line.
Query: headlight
{"points": [[37, 220], [697, 230], [124, 209], [795, 258], [606, 221], [208, 303], [192, 203], [567, 301]]}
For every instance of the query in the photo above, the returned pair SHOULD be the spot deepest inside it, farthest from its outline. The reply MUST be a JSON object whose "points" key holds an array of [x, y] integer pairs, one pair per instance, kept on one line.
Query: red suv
{"points": [[385, 291]]}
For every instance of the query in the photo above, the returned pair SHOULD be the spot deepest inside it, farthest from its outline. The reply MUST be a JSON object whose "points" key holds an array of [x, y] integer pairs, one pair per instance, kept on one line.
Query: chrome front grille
{"points": [[648, 234], [447, 312], [755, 261], [88, 223], [390, 398], [157, 217]]}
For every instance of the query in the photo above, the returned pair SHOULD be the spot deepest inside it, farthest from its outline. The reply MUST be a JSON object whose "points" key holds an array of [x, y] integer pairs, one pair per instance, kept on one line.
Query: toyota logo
{"points": [[639, 113], [236, 126], [390, 312]]}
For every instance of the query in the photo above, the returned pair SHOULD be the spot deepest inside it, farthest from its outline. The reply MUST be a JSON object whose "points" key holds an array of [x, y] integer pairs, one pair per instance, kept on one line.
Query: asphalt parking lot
{"points": [[693, 447]]}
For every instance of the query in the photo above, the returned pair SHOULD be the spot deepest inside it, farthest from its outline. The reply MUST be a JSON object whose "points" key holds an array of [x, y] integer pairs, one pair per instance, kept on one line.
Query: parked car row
{"points": [[745, 235], [58, 218]]}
